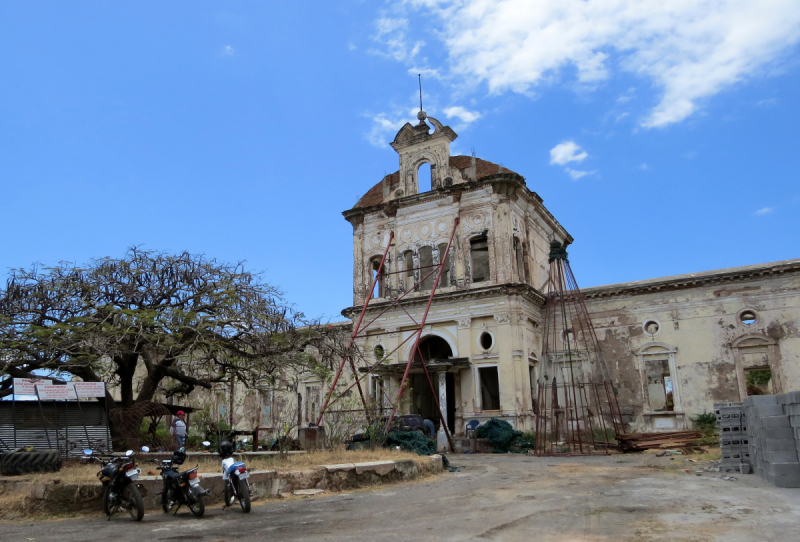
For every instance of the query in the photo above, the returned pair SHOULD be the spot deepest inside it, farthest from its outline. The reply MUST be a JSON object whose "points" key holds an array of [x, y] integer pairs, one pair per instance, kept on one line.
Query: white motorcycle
{"points": [[234, 476]]}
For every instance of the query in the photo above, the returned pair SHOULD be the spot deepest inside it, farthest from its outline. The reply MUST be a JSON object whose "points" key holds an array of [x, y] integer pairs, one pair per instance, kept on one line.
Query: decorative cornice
{"points": [[528, 292], [694, 280], [500, 182]]}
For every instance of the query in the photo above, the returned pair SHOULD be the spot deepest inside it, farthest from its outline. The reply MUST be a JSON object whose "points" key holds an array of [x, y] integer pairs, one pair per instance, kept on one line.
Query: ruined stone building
{"points": [[673, 345]]}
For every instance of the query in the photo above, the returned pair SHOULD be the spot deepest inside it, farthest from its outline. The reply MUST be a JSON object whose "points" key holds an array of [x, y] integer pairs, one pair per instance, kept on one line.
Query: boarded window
{"points": [[490, 388], [408, 263], [444, 256], [519, 258], [426, 267], [479, 249]]}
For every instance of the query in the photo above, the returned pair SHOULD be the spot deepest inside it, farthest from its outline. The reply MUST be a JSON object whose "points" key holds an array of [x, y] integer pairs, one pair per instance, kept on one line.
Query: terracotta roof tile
{"points": [[484, 168]]}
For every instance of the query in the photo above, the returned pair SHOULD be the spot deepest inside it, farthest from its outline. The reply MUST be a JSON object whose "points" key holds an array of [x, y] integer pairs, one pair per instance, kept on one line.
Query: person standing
{"points": [[179, 428]]}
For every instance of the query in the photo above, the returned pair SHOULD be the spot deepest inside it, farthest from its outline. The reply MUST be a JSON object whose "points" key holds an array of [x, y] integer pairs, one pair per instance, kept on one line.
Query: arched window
{"points": [[408, 264], [425, 178], [426, 267], [380, 285], [444, 256]]}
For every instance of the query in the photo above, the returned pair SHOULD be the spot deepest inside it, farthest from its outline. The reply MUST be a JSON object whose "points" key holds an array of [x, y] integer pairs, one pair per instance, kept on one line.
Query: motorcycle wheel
{"points": [[135, 503], [198, 507], [166, 498], [108, 506], [244, 496], [228, 494]]}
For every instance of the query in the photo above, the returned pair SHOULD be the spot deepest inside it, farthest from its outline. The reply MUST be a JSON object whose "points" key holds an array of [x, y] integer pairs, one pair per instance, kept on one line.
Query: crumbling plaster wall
{"points": [[512, 321], [481, 210], [702, 324]]}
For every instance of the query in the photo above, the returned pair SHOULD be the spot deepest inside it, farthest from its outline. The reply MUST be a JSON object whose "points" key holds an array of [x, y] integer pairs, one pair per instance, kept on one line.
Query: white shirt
{"points": [[178, 428]]}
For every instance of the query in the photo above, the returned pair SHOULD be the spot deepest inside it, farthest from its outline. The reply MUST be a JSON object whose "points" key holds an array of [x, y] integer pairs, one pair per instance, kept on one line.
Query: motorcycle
{"points": [[181, 488], [234, 476], [120, 490]]}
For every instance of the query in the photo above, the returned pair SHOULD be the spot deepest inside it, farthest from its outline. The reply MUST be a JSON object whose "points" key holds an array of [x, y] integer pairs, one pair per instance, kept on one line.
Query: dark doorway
{"points": [[433, 349]]}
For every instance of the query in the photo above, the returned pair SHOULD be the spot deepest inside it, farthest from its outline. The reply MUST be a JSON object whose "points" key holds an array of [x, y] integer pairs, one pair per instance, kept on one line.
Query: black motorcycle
{"points": [[120, 490], [181, 488]]}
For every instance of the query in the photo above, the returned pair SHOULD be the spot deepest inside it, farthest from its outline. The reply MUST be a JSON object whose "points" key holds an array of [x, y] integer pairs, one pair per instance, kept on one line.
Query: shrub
{"points": [[500, 434], [705, 422]]}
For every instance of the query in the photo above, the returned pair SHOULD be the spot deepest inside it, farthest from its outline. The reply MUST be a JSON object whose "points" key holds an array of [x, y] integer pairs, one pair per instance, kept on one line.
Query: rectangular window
{"points": [[758, 381], [376, 393], [312, 404], [479, 250], [659, 385], [444, 281], [490, 388], [426, 267]]}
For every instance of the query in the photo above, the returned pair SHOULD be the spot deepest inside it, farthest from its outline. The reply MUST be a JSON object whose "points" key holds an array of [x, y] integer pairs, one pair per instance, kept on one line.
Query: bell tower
{"points": [[417, 145]]}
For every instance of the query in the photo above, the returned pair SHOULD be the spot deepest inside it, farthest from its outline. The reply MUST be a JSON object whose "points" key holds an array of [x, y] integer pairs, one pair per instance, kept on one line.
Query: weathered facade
{"points": [[707, 337], [673, 345]]}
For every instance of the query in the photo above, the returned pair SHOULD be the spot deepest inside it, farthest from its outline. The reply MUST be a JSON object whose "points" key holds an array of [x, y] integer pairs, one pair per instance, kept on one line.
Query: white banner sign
{"points": [[90, 389], [55, 393], [26, 386]]}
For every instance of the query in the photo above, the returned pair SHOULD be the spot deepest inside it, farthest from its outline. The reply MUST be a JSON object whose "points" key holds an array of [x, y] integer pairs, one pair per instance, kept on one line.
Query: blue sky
{"points": [[662, 138]]}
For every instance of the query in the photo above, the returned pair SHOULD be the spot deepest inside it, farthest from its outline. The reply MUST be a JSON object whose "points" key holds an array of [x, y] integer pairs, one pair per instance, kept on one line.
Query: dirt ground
{"points": [[630, 498]]}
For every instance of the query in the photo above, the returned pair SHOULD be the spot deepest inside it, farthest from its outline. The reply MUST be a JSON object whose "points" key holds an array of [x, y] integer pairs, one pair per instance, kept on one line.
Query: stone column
{"points": [[441, 437]]}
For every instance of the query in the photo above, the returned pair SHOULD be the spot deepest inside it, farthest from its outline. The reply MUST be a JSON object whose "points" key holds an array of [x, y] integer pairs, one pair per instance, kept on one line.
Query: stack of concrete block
{"points": [[773, 431], [733, 439]]}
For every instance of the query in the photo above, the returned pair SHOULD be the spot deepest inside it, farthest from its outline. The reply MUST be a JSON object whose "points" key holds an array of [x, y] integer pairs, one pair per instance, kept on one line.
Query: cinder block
{"points": [[776, 432], [775, 421], [785, 469], [757, 400], [781, 456], [794, 396], [783, 481], [779, 444], [764, 410], [746, 468]]}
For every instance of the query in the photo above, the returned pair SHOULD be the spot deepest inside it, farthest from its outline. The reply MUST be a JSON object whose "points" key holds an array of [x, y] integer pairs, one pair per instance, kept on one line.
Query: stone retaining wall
{"points": [[60, 497]]}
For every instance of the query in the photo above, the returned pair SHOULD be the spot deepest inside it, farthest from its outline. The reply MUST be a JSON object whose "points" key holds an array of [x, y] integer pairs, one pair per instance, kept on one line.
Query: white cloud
{"points": [[466, 116], [577, 174], [351, 47], [764, 211], [425, 72], [392, 35], [643, 167], [384, 128], [689, 49], [567, 152], [228, 50], [768, 101]]}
